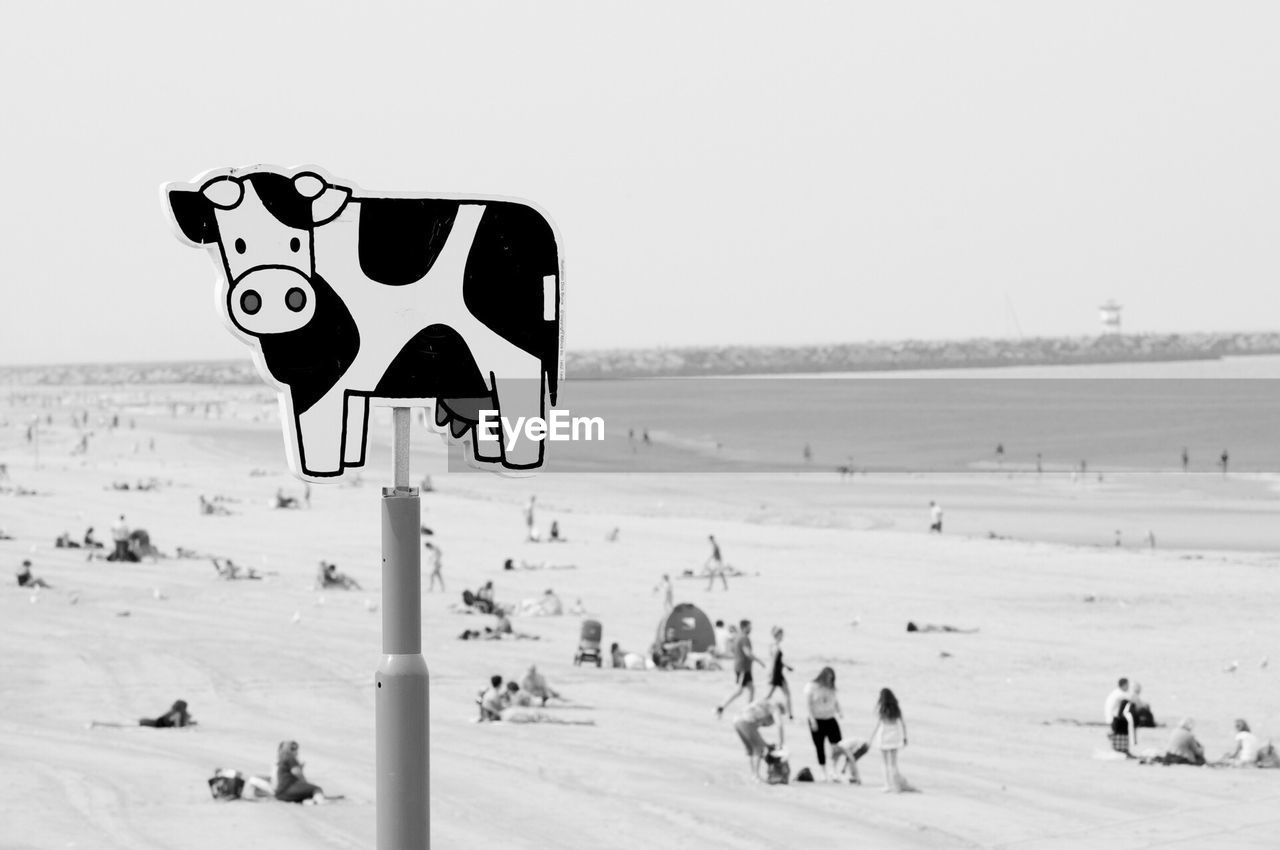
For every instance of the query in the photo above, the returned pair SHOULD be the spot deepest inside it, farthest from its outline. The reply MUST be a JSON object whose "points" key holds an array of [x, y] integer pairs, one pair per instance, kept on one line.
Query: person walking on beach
{"points": [[891, 728], [1223, 461], [668, 593], [743, 658], [824, 709], [433, 552], [778, 670], [935, 518], [715, 565], [120, 535], [1186, 459]]}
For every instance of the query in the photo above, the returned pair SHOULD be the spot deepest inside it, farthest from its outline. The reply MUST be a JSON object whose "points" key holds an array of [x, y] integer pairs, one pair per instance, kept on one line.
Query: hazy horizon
{"points": [[720, 174]]}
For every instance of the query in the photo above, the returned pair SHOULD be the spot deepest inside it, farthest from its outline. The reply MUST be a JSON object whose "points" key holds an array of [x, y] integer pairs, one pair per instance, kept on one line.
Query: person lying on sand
{"points": [[502, 629], [230, 784], [930, 627], [177, 717], [26, 579], [230, 571], [208, 508], [4, 535], [64, 541], [510, 564]]}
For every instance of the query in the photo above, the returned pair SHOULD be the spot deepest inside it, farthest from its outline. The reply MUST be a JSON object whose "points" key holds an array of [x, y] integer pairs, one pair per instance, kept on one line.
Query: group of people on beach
{"points": [[888, 734], [502, 701], [1125, 711]]}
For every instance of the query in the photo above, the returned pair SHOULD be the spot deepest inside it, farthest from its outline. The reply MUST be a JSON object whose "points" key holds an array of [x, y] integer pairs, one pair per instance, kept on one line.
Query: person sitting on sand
{"points": [[484, 596], [535, 684], [1247, 746], [754, 717], [672, 655], [230, 571], [283, 501], [577, 609], [330, 577], [89, 541], [26, 579], [64, 541], [618, 656], [291, 784], [554, 535], [1142, 715], [1183, 747], [517, 697], [492, 700], [176, 717], [546, 605]]}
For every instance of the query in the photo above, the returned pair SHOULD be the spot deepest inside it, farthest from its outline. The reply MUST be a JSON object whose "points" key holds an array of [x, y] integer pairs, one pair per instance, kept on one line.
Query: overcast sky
{"points": [[719, 172]]}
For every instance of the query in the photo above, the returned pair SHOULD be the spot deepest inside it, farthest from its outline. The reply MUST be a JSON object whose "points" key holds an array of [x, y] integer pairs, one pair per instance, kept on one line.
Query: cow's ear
{"points": [[194, 215]]}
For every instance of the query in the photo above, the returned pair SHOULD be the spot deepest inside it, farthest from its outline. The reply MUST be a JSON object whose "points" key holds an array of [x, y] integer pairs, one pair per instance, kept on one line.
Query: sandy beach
{"points": [[995, 743]]}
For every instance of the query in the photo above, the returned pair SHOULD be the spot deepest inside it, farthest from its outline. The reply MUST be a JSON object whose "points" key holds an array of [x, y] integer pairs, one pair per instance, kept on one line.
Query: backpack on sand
{"points": [[779, 768]]}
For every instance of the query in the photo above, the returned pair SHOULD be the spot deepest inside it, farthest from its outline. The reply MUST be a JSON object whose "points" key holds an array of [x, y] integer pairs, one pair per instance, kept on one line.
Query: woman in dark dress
{"points": [[777, 676]]}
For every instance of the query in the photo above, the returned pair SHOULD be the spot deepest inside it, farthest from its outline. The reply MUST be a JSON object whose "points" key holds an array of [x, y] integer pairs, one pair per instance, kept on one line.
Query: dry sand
{"points": [[842, 567]]}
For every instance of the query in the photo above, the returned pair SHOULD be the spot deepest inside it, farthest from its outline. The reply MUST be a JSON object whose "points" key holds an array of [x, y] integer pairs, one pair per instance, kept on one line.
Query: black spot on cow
{"points": [[282, 200], [400, 238], [311, 359], [514, 249], [436, 363]]}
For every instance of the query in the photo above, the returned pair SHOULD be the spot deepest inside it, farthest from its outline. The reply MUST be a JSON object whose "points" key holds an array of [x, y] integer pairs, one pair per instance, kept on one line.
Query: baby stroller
{"points": [[589, 643]]}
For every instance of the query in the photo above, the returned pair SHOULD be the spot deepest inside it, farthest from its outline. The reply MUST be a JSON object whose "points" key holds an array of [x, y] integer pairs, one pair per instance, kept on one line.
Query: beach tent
{"points": [[687, 622]]}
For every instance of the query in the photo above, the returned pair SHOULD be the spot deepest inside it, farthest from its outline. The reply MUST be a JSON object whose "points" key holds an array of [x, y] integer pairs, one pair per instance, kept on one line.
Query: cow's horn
{"points": [[223, 192]]}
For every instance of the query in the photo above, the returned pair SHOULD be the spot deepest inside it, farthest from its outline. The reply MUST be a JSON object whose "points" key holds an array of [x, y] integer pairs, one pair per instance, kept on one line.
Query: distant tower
{"points": [[1109, 315]]}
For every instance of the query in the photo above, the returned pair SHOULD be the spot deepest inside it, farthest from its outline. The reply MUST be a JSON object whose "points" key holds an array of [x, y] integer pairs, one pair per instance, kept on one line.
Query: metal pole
{"points": [[403, 747]]}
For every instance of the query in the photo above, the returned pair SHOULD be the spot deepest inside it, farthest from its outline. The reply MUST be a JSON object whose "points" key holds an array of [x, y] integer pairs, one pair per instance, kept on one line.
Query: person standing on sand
{"points": [[1223, 461], [824, 709], [668, 593], [120, 535], [715, 565], [778, 670], [1186, 459], [743, 658], [1120, 718], [434, 552], [530, 536], [892, 730], [935, 518]]}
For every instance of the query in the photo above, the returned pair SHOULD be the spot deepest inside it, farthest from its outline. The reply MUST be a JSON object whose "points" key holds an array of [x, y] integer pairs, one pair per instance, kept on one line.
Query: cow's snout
{"points": [[272, 301]]}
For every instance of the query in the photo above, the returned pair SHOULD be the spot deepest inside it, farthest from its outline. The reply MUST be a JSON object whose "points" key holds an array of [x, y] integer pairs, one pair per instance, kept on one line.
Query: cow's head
{"points": [[262, 223]]}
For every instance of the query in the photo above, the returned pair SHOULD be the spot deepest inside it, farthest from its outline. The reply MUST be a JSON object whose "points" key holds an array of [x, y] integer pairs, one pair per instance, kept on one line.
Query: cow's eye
{"points": [[294, 245], [240, 246]]}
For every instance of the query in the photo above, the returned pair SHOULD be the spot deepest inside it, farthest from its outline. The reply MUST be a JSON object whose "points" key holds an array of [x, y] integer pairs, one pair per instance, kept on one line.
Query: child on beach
{"points": [[891, 729], [777, 676]]}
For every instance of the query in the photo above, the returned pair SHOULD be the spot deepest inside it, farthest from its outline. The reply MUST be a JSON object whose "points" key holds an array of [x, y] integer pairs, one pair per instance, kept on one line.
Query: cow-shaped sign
{"points": [[349, 298]]}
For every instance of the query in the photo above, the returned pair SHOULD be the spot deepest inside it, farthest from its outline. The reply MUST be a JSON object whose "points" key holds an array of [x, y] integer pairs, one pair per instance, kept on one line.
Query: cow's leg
{"points": [[357, 421], [320, 434], [519, 393]]}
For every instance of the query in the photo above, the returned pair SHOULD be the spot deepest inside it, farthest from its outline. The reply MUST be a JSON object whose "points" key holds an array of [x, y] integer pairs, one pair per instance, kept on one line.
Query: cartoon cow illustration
{"points": [[348, 298]]}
